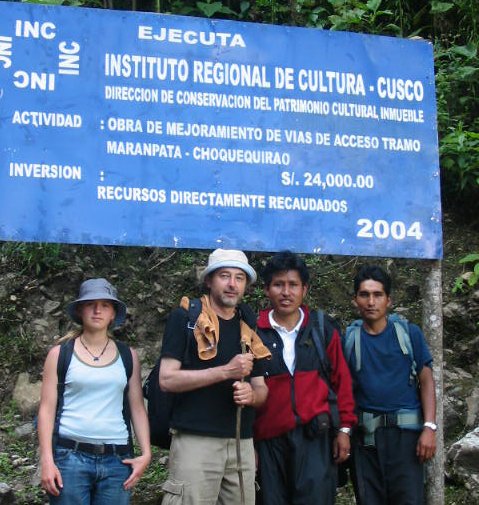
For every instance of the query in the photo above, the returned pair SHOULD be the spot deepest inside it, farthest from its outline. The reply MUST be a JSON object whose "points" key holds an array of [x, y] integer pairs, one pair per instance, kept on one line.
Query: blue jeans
{"points": [[90, 479]]}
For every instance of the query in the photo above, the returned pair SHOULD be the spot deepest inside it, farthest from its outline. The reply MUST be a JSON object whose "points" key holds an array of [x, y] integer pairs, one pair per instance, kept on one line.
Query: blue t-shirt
{"points": [[383, 383]]}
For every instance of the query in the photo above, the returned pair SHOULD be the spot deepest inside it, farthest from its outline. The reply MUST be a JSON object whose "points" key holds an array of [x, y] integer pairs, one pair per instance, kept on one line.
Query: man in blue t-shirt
{"points": [[395, 398]]}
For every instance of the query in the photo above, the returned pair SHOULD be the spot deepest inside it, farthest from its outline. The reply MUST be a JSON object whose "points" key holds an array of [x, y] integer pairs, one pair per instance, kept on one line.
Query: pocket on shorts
{"points": [[173, 492]]}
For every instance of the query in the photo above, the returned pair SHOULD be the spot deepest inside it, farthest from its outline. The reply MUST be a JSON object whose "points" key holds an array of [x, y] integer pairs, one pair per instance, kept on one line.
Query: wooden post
{"points": [[432, 327]]}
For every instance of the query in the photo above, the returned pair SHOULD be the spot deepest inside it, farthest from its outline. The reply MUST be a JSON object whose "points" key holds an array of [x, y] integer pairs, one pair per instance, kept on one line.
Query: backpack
{"points": [[64, 358], [352, 341], [160, 404]]}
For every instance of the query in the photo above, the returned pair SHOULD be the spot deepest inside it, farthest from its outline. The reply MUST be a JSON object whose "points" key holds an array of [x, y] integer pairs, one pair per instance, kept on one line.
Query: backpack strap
{"points": [[352, 340], [194, 312], [320, 319], [66, 353], [127, 359], [319, 338], [401, 327], [245, 313], [64, 358], [248, 315]]}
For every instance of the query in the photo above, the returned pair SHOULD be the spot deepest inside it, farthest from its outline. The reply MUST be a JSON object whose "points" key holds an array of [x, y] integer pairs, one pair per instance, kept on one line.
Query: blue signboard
{"points": [[144, 129]]}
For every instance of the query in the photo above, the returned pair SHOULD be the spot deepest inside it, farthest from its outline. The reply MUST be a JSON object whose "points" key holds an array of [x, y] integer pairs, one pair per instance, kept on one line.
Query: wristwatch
{"points": [[346, 430], [430, 425]]}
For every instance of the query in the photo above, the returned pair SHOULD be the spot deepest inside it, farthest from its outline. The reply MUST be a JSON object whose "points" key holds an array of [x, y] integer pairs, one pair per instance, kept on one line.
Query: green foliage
{"points": [[207, 8], [460, 157], [69, 3], [255, 297], [31, 495], [457, 495], [151, 481], [18, 349], [46, 2], [6, 467], [271, 11], [457, 87], [440, 7], [363, 17], [470, 276], [26, 493], [373, 16], [210, 9], [31, 257]]}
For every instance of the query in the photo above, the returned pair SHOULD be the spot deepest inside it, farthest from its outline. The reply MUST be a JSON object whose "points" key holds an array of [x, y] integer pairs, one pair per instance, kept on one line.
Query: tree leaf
{"points": [[209, 9], [466, 72], [469, 51], [472, 281], [373, 5], [469, 258], [440, 7]]}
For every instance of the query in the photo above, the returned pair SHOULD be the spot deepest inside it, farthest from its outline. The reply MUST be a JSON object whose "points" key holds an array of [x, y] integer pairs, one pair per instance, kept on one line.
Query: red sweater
{"points": [[296, 399]]}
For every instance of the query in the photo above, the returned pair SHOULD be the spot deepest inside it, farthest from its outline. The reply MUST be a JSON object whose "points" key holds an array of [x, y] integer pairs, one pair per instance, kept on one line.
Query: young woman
{"points": [[85, 448]]}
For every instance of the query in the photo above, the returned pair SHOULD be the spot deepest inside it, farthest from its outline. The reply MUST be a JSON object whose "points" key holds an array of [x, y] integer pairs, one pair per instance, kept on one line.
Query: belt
{"points": [[98, 449], [404, 418], [401, 418]]}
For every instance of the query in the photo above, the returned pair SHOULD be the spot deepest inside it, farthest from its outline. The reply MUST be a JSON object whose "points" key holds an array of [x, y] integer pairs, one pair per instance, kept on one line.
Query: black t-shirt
{"points": [[209, 410]]}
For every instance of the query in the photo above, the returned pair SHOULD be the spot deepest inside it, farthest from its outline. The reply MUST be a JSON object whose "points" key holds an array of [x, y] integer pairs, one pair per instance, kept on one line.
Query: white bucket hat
{"points": [[228, 258], [98, 289]]}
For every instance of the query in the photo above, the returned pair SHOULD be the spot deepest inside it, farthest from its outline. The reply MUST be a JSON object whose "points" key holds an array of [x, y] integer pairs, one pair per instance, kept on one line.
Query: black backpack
{"points": [[160, 403], [64, 358]]}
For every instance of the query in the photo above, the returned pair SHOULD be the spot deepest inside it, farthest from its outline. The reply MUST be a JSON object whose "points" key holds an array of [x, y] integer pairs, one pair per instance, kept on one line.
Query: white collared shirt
{"points": [[289, 338]]}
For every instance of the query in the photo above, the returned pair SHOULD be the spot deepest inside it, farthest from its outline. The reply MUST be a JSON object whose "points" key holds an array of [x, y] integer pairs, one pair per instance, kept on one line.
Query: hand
{"points": [[240, 366], [341, 447], [51, 479], [138, 466], [243, 393], [426, 445]]}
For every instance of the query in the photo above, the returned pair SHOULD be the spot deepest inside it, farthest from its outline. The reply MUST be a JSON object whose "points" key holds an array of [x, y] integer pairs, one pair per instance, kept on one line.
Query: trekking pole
{"points": [[238, 439]]}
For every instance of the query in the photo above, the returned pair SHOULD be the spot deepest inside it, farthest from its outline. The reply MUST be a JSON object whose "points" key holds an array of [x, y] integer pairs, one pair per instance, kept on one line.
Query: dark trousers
{"points": [[297, 470], [388, 473]]}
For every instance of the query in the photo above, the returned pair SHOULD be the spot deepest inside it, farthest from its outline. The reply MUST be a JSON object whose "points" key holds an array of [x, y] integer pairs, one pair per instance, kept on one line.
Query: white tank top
{"points": [[93, 403]]}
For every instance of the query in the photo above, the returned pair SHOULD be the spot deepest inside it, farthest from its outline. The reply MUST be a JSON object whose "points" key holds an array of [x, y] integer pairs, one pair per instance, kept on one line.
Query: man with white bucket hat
{"points": [[211, 365]]}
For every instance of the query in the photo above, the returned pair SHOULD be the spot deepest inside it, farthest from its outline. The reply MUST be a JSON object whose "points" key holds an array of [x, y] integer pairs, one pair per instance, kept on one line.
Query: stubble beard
{"points": [[229, 302]]}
